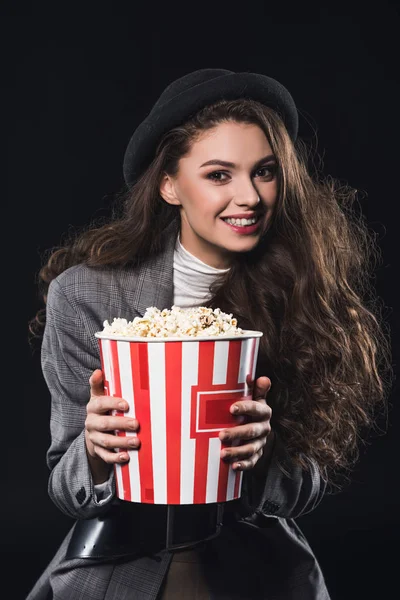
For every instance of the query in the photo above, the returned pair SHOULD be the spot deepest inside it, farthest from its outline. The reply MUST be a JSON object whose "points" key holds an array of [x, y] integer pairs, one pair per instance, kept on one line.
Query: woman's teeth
{"points": [[241, 222]]}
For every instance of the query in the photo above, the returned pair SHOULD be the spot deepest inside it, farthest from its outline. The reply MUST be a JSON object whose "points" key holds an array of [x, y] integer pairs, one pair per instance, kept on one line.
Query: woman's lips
{"points": [[246, 229]]}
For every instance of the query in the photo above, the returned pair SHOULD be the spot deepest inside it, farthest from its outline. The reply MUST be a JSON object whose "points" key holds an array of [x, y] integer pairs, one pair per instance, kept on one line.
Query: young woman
{"points": [[220, 209]]}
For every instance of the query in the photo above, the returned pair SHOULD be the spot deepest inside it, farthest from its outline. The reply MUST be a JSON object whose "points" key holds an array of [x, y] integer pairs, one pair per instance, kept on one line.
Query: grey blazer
{"points": [[279, 558]]}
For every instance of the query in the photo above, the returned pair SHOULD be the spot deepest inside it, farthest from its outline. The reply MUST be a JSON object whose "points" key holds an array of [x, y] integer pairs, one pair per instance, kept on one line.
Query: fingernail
{"points": [[122, 405], [123, 457], [234, 409]]}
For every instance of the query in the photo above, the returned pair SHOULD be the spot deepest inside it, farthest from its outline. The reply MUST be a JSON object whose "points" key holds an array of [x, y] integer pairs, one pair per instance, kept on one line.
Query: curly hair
{"points": [[307, 285]]}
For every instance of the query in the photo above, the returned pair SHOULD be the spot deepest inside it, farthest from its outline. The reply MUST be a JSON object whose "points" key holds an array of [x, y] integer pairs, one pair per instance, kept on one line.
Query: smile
{"points": [[243, 226]]}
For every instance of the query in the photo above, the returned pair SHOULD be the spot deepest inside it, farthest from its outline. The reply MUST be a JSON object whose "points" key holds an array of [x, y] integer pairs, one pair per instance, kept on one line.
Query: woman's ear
{"points": [[167, 190]]}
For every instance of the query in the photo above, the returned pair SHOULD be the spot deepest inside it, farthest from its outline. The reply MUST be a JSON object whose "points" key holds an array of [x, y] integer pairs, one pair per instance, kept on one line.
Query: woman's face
{"points": [[208, 194]]}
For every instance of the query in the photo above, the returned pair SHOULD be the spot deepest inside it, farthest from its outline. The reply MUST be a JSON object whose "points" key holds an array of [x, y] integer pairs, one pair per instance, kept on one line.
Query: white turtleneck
{"points": [[192, 278]]}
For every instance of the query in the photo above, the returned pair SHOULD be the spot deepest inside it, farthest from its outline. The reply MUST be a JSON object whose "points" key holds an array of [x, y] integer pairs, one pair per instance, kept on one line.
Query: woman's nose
{"points": [[247, 198]]}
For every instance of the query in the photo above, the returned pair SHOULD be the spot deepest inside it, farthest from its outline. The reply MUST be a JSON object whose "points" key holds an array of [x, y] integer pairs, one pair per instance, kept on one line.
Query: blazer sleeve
{"points": [[68, 358], [287, 490]]}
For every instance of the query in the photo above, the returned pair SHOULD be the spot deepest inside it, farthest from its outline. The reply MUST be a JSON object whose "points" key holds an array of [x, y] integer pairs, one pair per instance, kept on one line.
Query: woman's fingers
{"points": [[111, 457], [246, 465], [99, 402], [98, 415], [257, 414], [261, 387], [100, 424], [110, 442], [108, 423], [96, 383], [249, 431], [105, 444], [247, 451], [104, 404], [255, 409], [245, 442]]}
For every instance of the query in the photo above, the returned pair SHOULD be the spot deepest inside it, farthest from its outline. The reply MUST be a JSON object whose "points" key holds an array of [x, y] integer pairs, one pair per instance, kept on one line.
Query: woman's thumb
{"points": [[262, 387], [96, 383]]}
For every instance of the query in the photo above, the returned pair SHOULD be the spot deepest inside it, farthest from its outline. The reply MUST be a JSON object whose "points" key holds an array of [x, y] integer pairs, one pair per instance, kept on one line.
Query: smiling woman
{"points": [[223, 212], [220, 210]]}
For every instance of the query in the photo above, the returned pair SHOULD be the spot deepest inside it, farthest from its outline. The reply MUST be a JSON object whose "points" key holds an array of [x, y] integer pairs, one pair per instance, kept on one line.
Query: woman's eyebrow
{"points": [[224, 163]]}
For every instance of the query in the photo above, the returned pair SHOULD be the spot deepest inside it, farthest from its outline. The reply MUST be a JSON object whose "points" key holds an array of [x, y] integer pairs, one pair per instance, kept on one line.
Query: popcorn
{"points": [[177, 322]]}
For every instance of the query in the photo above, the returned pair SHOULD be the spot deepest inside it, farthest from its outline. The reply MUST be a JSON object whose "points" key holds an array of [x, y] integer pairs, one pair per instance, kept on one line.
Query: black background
{"points": [[76, 87]]}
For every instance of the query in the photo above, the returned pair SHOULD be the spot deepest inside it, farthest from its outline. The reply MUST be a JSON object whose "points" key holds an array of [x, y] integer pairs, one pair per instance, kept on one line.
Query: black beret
{"points": [[185, 96]]}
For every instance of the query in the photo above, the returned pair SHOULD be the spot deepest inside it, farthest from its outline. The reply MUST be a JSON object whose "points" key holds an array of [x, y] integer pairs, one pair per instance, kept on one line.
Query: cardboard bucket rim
{"points": [[247, 333]]}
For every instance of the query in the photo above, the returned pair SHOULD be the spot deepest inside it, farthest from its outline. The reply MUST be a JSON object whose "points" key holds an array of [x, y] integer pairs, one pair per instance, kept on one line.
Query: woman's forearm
{"points": [[100, 470]]}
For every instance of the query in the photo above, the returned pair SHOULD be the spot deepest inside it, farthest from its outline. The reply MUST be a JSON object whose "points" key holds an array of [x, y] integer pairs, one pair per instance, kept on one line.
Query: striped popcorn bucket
{"points": [[180, 390]]}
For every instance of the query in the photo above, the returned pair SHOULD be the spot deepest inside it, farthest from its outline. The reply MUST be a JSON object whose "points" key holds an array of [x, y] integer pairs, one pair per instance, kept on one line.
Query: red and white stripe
{"points": [[180, 392]]}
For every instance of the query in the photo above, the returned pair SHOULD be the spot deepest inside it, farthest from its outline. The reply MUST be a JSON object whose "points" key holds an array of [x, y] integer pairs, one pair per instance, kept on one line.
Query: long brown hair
{"points": [[307, 286]]}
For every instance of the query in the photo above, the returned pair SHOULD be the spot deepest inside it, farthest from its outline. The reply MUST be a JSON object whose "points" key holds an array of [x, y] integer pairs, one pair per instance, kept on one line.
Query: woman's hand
{"points": [[251, 436], [100, 426]]}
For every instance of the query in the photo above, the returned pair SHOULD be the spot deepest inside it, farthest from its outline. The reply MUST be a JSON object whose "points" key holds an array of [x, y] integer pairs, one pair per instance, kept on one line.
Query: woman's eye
{"points": [[215, 176], [270, 172]]}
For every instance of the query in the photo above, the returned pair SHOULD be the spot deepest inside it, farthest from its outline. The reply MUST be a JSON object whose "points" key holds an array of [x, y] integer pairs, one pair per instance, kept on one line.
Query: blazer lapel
{"points": [[156, 276]]}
